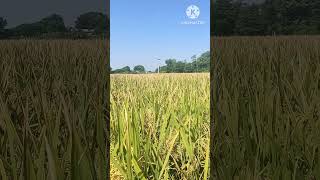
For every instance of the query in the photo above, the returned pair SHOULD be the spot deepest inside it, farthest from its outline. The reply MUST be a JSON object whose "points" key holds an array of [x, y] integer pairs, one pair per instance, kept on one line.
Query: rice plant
{"points": [[265, 107], [160, 126], [53, 109]]}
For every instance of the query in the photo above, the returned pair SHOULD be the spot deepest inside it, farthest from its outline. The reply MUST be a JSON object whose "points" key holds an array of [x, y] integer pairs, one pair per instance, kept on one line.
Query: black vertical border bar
{"points": [[211, 95], [107, 112], [215, 79], [108, 96]]}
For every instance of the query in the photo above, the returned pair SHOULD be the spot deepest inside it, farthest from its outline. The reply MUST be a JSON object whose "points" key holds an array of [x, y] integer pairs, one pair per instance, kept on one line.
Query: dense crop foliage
{"points": [[53, 102], [160, 126], [266, 107]]}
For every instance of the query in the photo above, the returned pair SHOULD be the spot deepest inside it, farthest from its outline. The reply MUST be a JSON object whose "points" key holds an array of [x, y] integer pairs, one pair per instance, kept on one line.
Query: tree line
{"points": [[269, 17], [91, 24], [196, 64]]}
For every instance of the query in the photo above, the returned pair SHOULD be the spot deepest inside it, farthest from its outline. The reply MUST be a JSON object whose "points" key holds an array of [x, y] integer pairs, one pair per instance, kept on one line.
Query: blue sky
{"points": [[143, 31]]}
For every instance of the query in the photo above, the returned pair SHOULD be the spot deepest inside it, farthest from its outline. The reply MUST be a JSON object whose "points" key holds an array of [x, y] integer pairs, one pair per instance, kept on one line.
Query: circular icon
{"points": [[193, 12]]}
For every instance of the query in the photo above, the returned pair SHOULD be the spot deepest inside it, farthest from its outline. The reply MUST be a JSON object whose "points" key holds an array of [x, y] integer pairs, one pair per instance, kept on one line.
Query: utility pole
{"points": [[194, 59], [159, 66]]}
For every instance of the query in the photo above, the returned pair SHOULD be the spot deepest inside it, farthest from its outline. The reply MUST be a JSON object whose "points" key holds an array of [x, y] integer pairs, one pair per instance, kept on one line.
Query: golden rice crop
{"points": [[53, 109], [265, 107], [160, 126]]}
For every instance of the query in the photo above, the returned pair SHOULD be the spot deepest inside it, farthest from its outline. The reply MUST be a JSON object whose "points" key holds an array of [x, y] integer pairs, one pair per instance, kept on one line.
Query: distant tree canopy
{"points": [[3, 23], [50, 24], [53, 27], [139, 69], [124, 70], [53, 23], [271, 17], [95, 21], [200, 64], [28, 30]]}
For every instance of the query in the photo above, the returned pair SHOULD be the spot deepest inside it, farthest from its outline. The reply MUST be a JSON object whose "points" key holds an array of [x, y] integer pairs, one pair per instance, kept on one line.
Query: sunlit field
{"points": [[266, 107], [160, 126]]}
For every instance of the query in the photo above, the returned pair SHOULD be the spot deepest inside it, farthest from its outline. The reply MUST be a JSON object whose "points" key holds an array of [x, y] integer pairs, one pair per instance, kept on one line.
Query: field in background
{"points": [[266, 107], [53, 100], [160, 126]]}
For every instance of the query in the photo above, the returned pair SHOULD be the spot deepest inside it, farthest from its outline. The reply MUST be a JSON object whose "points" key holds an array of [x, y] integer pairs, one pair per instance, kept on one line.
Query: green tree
{"points": [[189, 68], [171, 65], [53, 23], [163, 69], [204, 62], [201, 64], [139, 69], [3, 31], [3, 23], [28, 30], [270, 17], [223, 17], [180, 67], [124, 70], [194, 63], [315, 18], [250, 21], [96, 21]]}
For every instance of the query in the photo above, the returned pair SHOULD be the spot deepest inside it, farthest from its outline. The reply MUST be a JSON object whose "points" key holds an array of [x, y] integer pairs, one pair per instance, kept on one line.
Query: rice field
{"points": [[265, 108], [160, 126], [53, 109], [265, 112]]}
